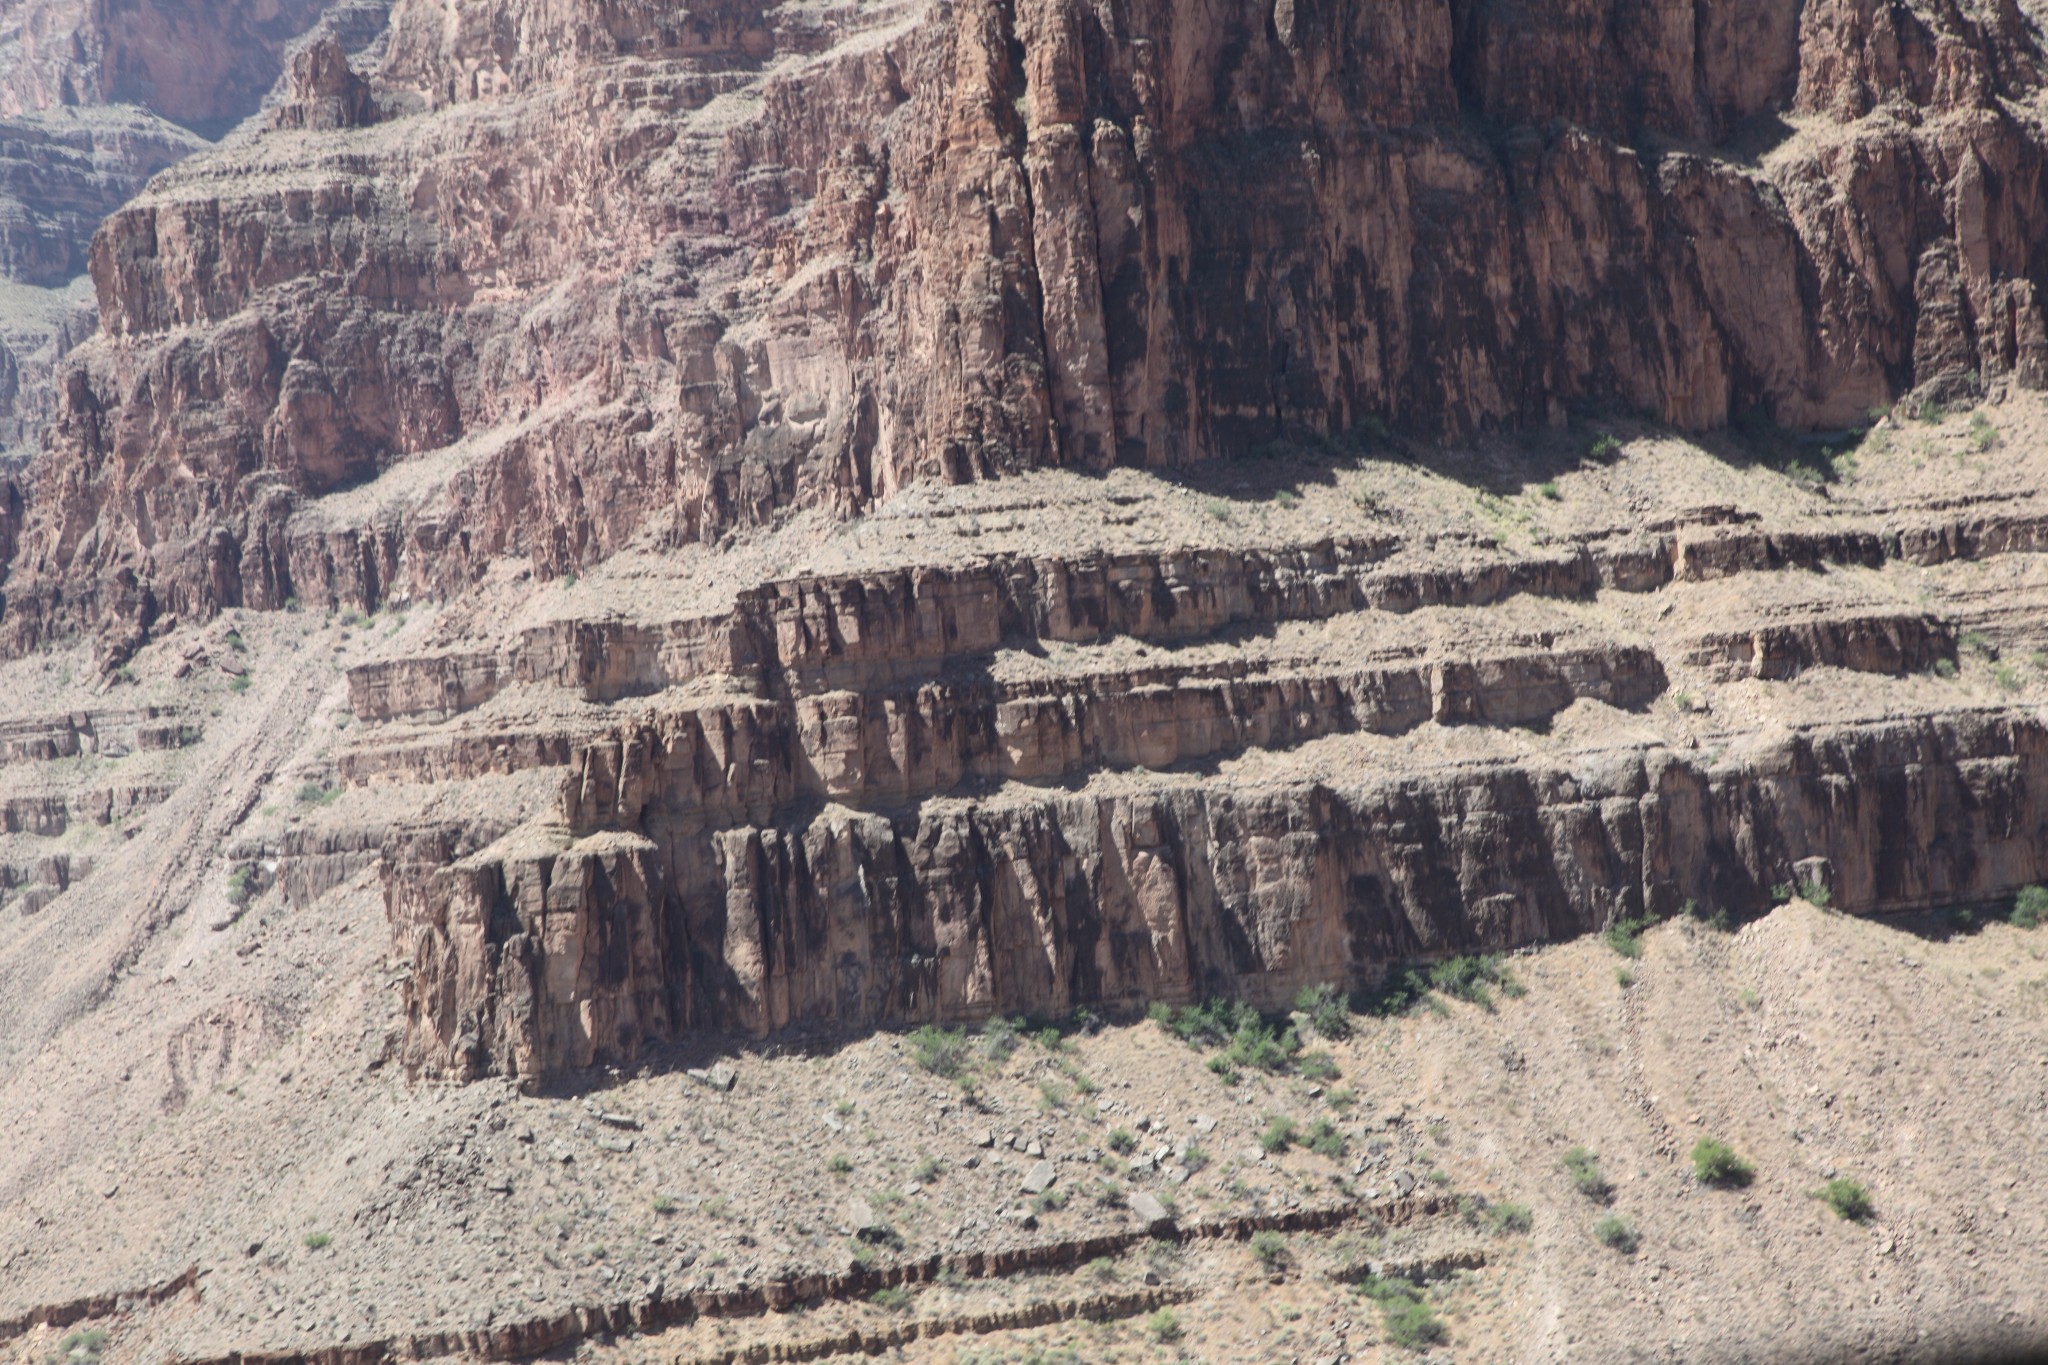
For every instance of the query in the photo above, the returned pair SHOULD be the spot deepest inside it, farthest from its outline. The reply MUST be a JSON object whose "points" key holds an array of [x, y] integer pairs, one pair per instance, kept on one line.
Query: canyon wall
{"points": [[600, 272]]}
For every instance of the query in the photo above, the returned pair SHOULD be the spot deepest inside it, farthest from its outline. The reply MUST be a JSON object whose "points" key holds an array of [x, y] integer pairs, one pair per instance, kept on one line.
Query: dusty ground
{"points": [[189, 1082]]}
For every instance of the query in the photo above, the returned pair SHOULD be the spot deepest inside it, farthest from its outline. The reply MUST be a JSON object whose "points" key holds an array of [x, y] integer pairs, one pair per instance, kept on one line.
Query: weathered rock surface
{"points": [[548, 277]]}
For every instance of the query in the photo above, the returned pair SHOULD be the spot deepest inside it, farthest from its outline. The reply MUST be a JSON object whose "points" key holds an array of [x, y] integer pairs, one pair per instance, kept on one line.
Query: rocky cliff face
{"points": [[636, 270], [496, 293]]}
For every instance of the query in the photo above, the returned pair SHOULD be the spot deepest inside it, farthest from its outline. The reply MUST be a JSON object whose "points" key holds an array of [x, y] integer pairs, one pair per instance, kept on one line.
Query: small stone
{"points": [[610, 1144], [1034, 1148], [723, 1077], [1403, 1183], [499, 1186], [1040, 1178], [860, 1216], [523, 1134], [626, 1121], [985, 1138], [1203, 1123]]}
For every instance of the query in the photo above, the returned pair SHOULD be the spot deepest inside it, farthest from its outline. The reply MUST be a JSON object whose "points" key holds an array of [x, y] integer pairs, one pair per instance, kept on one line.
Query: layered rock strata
{"points": [[546, 278]]}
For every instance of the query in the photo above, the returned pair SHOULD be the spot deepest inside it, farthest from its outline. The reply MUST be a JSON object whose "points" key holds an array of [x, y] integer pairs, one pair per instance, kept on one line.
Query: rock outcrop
{"points": [[548, 277]]}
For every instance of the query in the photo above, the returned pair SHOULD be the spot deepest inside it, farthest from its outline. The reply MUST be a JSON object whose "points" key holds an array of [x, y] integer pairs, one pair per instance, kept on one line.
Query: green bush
{"points": [[1625, 936], [1164, 1325], [927, 1170], [941, 1051], [1123, 1141], [893, 1297], [1324, 1140], [80, 1347], [1605, 447], [1584, 1169], [839, 1163], [1847, 1198], [1409, 1321], [1617, 1232], [1714, 1162], [1469, 979], [1983, 435], [1815, 894], [1510, 1217], [1548, 490], [1318, 1066], [1716, 920], [1247, 1038], [316, 1240], [1270, 1247], [1194, 1159], [1329, 1014], [1944, 668], [2030, 907], [1280, 1134]]}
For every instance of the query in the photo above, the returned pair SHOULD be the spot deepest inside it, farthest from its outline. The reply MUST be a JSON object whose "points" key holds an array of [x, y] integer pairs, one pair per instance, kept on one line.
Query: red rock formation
{"points": [[640, 265]]}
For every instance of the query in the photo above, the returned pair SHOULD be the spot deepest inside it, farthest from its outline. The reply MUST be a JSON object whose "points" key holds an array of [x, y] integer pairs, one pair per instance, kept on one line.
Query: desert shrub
{"points": [[1248, 1039], [893, 1297], [1584, 1169], [2030, 907], [1280, 1134], [664, 1204], [1617, 1232], [1217, 508], [1164, 1325], [239, 889], [1714, 1162], [1329, 1014], [1944, 668], [1318, 1066], [927, 1170], [1324, 1140], [1978, 643], [2006, 677], [1510, 1217], [1983, 435], [1123, 1141], [1194, 1159], [316, 1240], [81, 1346], [1846, 1197], [1605, 447], [318, 794], [1468, 978], [1548, 491], [1270, 1248], [1715, 919], [1815, 894], [1052, 1201], [1625, 936], [839, 1163], [941, 1051], [1410, 1322], [1624, 978]]}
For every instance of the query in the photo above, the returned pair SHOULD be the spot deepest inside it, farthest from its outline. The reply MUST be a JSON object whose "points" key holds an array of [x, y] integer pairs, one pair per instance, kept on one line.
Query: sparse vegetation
{"points": [[1051, 1201], [1625, 936], [1815, 893], [1409, 1321], [664, 1204], [1318, 1066], [1329, 1014], [2030, 907], [1324, 1140], [1247, 1038], [2006, 677], [1217, 508], [1122, 1141], [1548, 491], [240, 887], [1471, 979], [927, 1170], [941, 1051], [81, 1346], [892, 1297], [1606, 446], [318, 794], [1714, 1162], [1584, 1168], [239, 683], [316, 1240], [1624, 978], [1194, 1159], [1944, 668], [1617, 1232], [1715, 919], [1848, 1198], [1164, 1325], [839, 1163], [1270, 1248], [1510, 1218], [1983, 435], [1280, 1134]]}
